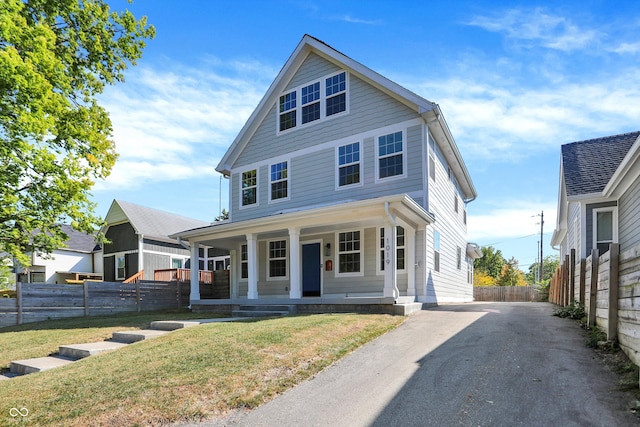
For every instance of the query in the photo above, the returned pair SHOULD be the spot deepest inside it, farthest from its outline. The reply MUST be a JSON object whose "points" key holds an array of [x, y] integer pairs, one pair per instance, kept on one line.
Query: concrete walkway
{"points": [[479, 364], [70, 353]]}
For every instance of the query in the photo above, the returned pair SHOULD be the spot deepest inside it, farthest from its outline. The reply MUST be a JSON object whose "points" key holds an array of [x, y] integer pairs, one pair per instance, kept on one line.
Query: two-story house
{"points": [[345, 187]]}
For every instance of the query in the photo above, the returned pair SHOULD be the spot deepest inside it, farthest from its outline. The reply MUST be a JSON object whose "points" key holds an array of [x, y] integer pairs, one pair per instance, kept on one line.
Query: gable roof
{"points": [[430, 111], [149, 222], [78, 241], [589, 165]]}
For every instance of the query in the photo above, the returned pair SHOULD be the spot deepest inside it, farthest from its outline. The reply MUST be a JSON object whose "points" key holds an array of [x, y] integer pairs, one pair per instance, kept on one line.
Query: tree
{"points": [[56, 56], [224, 215], [491, 262], [550, 264], [480, 278], [511, 275]]}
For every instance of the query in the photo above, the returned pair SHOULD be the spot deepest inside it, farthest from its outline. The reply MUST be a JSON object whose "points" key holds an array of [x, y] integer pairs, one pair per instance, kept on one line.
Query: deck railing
{"points": [[182, 275], [134, 279]]}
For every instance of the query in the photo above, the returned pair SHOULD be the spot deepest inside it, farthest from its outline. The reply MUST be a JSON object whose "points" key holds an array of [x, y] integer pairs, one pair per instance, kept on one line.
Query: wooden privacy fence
{"points": [[609, 288], [507, 293]]}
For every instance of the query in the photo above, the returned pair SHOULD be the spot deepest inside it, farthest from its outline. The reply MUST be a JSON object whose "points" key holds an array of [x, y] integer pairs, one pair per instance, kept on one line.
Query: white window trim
{"points": [[438, 250], [177, 258], [287, 179], [338, 166], [404, 157], [337, 254], [614, 210], [323, 102], [240, 278], [286, 258], [253, 205], [380, 272], [116, 256]]}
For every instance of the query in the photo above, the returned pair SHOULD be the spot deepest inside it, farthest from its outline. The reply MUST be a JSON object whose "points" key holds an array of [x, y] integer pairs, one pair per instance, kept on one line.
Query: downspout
{"points": [[396, 291]]}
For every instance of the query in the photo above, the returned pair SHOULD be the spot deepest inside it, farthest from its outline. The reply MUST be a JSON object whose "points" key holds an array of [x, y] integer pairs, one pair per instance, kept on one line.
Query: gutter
{"points": [[396, 291]]}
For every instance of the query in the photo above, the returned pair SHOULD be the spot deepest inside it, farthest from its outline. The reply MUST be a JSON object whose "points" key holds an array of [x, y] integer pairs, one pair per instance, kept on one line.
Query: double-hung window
{"points": [[310, 103], [244, 262], [350, 253], [279, 178], [249, 188], [605, 227], [390, 155], [400, 246], [336, 91], [436, 251], [278, 259], [288, 111], [349, 164]]}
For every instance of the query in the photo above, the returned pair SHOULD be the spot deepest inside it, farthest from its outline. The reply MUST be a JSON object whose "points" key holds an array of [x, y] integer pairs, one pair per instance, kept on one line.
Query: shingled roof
{"points": [[152, 223], [589, 165], [79, 241]]}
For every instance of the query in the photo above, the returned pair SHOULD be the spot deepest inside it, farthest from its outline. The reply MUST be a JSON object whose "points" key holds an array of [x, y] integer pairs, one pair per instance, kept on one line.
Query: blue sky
{"points": [[515, 80]]}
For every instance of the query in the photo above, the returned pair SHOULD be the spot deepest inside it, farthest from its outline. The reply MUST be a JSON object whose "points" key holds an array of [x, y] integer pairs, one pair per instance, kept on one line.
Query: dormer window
{"points": [[313, 101]]}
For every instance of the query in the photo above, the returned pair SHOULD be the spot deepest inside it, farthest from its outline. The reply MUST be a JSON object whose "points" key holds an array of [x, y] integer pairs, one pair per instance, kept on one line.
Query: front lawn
{"points": [[190, 374]]}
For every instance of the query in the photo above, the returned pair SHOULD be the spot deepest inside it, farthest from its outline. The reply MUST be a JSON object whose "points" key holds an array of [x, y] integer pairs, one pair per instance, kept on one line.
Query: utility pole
{"points": [[541, 245]]}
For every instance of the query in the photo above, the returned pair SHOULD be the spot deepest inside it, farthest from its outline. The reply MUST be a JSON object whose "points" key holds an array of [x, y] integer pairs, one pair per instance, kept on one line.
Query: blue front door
{"points": [[311, 263]]}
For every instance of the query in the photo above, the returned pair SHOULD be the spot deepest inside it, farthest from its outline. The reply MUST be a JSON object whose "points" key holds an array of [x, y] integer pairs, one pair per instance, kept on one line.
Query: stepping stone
{"points": [[80, 351], [172, 325], [135, 336], [29, 366]]}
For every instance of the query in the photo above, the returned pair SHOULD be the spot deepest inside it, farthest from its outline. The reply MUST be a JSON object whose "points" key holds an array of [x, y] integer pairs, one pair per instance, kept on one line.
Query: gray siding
{"points": [[313, 68], [153, 262], [629, 217], [150, 245]]}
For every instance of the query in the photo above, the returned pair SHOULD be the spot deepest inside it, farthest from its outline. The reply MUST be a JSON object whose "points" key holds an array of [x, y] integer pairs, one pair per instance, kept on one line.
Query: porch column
{"points": [[410, 259], [234, 274], [252, 258], [195, 265], [295, 272], [390, 262], [147, 274]]}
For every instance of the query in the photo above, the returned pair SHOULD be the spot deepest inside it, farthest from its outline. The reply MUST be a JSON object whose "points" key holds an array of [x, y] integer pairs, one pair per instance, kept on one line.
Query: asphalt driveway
{"points": [[479, 364]]}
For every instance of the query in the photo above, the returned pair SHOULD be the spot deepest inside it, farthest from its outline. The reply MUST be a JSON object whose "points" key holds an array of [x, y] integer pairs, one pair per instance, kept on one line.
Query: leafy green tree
{"points": [[56, 56], [550, 264], [491, 262], [224, 215]]}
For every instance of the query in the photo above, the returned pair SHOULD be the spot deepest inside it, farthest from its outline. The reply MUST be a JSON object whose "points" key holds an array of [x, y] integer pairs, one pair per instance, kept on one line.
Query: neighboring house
{"points": [[139, 240], [343, 184], [599, 195], [79, 259]]}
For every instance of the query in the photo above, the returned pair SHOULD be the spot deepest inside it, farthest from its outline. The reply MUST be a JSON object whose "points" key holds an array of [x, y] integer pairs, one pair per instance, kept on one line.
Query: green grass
{"points": [[190, 374]]}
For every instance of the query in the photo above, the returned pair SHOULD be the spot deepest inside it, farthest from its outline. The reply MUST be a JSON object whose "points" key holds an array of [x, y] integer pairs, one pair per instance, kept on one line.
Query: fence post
{"points": [[567, 271], [583, 268], [138, 302], [179, 295], [572, 277], [19, 303], [614, 264], [593, 286], [85, 285]]}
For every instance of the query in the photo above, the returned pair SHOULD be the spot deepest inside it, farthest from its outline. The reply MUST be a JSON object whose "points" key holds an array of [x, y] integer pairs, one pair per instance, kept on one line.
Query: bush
{"points": [[575, 310], [595, 336]]}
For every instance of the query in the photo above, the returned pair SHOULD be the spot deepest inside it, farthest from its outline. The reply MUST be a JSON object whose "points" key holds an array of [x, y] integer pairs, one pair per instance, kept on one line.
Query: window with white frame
{"points": [[121, 264], [313, 101], [436, 251], [459, 258], [349, 253], [400, 246], [278, 259], [390, 155], [432, 168], [176, 262], [349, 164], [310, 102], [249, 187], [244, 262], [336, 91], [279, 178], [605, 224], [288, 111], [455, 203]]}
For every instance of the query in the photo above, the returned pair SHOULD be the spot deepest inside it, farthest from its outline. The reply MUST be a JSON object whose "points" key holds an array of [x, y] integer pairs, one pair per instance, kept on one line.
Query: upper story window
{"points": [[288, 111], [313, 101], [310, 103], [390, 155], [349, 164], [336, 90], [455, 203], [279, 178], [432, 168], [605, 228], [249, 188]]}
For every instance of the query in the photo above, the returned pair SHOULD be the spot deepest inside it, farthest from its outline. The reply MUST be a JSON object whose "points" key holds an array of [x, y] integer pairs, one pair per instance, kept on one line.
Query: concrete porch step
{"points": [[80, 351], [406, 308], [29, 366], [129, 337]]}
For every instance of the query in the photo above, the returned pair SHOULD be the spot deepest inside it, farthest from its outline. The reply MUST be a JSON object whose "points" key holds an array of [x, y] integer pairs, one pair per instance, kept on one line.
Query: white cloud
{"points": [[511, 219], [176, 122], [626, 48], [354, 20], [537, 26]]}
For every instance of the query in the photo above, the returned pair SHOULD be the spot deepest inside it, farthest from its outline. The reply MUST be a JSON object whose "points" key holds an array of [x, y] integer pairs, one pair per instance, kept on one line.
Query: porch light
{"points": [[327, 249]]}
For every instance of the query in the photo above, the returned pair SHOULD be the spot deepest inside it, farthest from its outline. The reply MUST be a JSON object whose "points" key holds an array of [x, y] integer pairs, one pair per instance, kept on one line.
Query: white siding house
{"points": [[344, 186]]}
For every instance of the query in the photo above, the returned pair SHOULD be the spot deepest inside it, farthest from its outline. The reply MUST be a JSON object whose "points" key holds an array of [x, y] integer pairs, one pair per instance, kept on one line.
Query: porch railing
{"points": [[182, 275], [134, 279]]}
